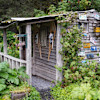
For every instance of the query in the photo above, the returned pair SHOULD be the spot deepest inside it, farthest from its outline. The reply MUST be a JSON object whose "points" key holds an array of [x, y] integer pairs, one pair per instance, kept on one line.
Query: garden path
{"points": [[43, 86]]}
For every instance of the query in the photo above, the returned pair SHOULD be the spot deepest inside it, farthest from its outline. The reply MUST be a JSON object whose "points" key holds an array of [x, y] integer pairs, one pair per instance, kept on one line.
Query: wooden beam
{"points": [[2, 27], [35, 22], [41, 21], [20, 48], [59, 61], [28, 53], [5, 41]]}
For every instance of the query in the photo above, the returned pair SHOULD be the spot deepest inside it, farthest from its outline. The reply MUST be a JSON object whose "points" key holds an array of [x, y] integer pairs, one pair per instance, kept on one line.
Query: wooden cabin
{"points": [[41, 36]]}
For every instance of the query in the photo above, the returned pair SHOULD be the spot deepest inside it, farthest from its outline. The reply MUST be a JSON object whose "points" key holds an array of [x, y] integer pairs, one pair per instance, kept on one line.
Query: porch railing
{"points": [[13, 62]]}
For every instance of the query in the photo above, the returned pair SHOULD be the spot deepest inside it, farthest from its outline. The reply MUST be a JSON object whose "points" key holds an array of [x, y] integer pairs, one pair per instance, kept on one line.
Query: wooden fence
{"points": [[13, 62]]}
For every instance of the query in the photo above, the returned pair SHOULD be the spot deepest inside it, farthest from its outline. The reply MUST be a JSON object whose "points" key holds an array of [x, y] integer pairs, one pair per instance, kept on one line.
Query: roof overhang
{"points": [[34, 20], [6, 24]]}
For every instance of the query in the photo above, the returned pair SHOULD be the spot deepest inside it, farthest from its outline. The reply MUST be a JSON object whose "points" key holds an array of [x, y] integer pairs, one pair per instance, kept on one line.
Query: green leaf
{"points": [[23, 75], [22, 69], [12, 72], [4, 75], [2, 81], [16, 81], [73, 63], [4, 66], [13, 79], [2, 87], [5, 91]]}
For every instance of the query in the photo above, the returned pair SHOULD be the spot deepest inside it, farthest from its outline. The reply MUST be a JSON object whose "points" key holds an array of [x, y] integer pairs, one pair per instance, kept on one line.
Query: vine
{"points": [[85, 75], [71, 38]]}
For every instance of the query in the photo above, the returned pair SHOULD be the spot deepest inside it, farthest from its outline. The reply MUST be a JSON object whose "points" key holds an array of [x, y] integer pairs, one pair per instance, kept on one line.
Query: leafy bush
{"points": [[31, 92], [33, 95], [88, 72], [81, 82], [72, 5], [71, 42], [11, 44], [83, 91], [10, 77], [39, 13], [13, 80]]}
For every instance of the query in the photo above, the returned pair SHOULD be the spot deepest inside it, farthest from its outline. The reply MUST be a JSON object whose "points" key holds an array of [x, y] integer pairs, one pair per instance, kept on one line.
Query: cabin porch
{"points": [[38, 63]]}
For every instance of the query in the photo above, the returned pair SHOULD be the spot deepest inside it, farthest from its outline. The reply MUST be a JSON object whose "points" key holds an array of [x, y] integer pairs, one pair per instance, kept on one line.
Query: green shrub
{"points": [[24, 87], [88, 72], [11, 44], [83, 91], [33, 95], [10, 76], [13, 80]]}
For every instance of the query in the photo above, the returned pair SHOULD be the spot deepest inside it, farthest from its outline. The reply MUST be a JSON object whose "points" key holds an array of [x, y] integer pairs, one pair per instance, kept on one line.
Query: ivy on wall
{"points": [[71, 38]]}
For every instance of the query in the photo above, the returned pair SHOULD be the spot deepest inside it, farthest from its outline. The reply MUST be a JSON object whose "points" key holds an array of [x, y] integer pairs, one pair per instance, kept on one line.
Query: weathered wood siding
{"points": [[92, 23], [43, 67]]}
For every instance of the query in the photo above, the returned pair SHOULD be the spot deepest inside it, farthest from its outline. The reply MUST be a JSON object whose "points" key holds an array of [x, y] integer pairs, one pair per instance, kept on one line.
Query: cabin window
{"points": [[43, 37]]}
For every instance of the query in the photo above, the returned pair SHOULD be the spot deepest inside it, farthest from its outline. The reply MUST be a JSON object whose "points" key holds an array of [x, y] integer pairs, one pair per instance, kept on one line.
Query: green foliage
{"points": [[2, 87], [33, 95], [10, 77], [83, 91], [74, 5], [81, 81], [11, 44], [11, 8], [39, 13], [95, 4], [26, 8], [71, 42], [52, 9], [64, 6], [84, 4], [31, 92], [83, 73]]}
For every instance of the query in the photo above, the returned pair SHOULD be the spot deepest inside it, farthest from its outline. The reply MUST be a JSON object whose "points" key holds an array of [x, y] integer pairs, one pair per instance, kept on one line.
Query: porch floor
{"points": [[41, 84]]}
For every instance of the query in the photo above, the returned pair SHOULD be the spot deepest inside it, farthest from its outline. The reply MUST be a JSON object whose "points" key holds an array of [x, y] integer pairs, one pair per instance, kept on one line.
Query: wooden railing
{"points": [[13, 62]]}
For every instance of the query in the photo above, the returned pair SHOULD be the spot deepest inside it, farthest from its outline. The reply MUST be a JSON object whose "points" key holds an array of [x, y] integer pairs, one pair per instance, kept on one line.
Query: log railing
{"points": [[13, 62]]}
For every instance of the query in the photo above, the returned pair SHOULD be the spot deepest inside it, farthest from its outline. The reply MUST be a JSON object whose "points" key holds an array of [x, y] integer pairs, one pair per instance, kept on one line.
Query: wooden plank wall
{"points": [[43, 67], [92, 23]]}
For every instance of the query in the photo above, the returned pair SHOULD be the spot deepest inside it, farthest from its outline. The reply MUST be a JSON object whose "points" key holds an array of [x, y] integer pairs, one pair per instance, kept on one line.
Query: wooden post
{"points": [[5, 41], [33, 54], [28, 53], [59, 61], [20, 48]]}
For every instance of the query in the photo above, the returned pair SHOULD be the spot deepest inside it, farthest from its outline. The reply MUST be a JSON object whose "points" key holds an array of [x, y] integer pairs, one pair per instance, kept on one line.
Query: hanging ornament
{"points": [[51, 39]]}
